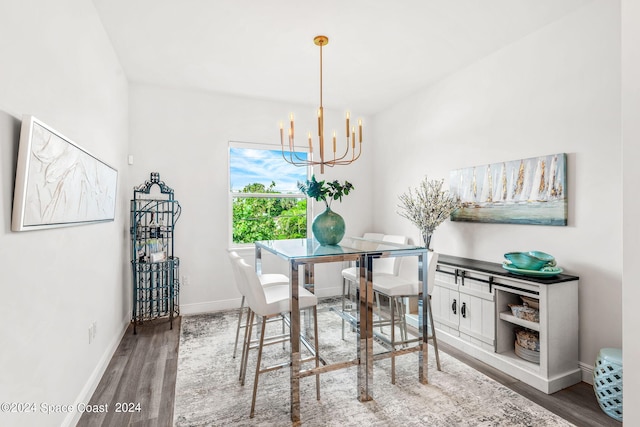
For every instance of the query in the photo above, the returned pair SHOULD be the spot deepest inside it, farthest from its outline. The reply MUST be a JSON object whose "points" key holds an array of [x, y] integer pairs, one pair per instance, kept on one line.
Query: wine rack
{"points": [[155, 268]]}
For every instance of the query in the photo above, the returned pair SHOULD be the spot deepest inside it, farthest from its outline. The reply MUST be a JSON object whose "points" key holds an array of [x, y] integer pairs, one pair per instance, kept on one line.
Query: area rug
{"points": [[208, 392]]}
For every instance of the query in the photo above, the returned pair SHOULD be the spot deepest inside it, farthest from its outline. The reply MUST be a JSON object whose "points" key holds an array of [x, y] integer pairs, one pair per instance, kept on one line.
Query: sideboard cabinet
{"points": [[471, 309]]}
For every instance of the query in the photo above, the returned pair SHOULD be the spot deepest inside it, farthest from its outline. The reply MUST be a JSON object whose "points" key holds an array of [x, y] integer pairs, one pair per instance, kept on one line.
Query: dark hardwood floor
{"points": [[144, 367], [576, 404], [139, 383]]}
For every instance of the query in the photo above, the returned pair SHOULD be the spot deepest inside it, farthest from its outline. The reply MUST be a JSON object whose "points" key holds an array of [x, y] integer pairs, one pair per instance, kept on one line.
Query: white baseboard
{"points": [[209, 306], [587, 372], [90, 386]]}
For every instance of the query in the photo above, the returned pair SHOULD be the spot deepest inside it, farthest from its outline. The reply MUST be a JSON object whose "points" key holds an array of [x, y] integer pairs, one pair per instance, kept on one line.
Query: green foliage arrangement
{"points": [[325, 191]]}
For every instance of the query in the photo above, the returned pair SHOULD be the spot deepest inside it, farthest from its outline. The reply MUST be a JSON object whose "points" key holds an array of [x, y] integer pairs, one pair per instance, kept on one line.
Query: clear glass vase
{"points": [[426, 238]]}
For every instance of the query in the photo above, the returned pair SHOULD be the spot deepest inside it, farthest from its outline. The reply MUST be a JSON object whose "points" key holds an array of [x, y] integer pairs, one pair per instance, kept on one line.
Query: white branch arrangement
{"points": [[427, 206]]}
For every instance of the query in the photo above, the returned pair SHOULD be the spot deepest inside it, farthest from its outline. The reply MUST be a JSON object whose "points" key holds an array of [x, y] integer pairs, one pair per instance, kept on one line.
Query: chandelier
{"points": [[350, 154]]}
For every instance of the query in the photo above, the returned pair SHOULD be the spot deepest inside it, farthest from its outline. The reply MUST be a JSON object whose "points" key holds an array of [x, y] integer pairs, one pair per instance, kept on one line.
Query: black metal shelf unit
{"points": [[155, 268]]}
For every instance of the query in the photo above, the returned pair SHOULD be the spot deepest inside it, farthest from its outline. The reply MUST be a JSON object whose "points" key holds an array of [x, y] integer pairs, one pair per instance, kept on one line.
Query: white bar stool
{"points": [[268, 279], [269, 302], [395, 288]]}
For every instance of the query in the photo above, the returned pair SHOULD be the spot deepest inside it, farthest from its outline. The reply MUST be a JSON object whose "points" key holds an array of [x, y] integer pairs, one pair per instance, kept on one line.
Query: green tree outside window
{"points": [[268, 218]]}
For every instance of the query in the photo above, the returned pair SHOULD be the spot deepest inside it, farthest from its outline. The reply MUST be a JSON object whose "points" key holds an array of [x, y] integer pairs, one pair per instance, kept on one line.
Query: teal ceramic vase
{"points": [[328, 227]]}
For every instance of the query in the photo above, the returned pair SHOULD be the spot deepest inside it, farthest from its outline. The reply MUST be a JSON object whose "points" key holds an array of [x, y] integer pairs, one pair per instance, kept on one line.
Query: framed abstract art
{"points": [[58, 183]]}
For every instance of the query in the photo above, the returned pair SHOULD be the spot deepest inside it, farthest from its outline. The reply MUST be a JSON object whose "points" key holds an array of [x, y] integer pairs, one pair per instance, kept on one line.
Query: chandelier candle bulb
{"points": [[347, 124], [353, 137], [281, 134], [360, 130], [334, 144], [310, 143], [291, 119]]}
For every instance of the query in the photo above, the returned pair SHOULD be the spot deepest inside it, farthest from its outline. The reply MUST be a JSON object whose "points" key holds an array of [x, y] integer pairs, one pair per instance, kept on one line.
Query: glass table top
{"points": [[310, 248]]}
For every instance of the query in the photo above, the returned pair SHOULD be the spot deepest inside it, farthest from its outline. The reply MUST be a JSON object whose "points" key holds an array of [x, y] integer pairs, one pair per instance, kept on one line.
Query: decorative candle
{"points": [[347, 125], [291, 128], [360, 130], [334, 142], [281, 134], [353, 138]]}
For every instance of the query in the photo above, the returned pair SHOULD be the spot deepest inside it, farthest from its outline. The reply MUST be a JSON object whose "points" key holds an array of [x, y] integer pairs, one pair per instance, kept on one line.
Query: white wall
{"points": [[58, 65], [556, 90], [184, 136], [631, 225]]}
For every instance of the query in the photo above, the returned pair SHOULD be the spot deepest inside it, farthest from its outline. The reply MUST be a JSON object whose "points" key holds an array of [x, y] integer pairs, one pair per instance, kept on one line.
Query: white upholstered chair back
{"points": [[391, 265], [432, 263]]}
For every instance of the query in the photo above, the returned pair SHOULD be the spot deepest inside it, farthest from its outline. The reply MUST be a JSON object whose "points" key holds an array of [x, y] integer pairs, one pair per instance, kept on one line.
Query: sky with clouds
{"points": [[248, 166]]}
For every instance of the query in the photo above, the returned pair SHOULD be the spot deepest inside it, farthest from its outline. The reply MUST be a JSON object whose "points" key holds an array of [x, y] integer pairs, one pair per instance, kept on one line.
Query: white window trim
{"points": [[231, 195]]}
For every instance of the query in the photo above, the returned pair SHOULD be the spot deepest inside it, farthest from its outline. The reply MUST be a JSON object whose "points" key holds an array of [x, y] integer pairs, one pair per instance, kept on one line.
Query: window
{"points": [[266, 203]]}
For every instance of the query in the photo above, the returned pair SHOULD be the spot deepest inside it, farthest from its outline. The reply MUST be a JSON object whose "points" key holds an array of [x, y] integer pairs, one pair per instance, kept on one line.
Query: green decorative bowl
{"points": [[532, 260]]}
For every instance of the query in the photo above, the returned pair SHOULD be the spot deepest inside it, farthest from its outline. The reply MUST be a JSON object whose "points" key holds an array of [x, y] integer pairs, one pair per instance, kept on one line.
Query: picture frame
{"points": [[524, 191], [58, 183]]}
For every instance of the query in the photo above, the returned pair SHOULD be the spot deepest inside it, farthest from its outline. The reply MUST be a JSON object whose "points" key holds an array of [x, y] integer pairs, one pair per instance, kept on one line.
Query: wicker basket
{"points": [[525, 312], [528, 339]]}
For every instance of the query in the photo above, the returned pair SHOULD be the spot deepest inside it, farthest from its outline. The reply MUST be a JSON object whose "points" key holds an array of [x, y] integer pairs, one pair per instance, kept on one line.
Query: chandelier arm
{"points": [[353, 159], [298, 161], [295, 154], [291, 151], [290, 160], [345, 153], [335, 161]]}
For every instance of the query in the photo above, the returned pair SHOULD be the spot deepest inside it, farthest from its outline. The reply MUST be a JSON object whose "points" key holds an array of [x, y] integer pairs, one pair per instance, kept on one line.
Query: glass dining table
{"points": [[302, 255]]}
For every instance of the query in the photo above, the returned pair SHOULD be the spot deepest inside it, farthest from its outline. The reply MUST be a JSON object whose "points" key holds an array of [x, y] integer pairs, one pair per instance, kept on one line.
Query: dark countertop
{"points": [[496, 269]]}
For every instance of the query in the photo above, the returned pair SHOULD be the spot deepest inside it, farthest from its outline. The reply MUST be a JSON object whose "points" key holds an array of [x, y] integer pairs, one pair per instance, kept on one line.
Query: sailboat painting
{"points": [[526, 191]]}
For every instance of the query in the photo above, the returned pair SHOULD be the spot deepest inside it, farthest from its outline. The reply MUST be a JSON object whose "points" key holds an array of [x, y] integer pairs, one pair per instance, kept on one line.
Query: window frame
{"points": [[231, 195]]}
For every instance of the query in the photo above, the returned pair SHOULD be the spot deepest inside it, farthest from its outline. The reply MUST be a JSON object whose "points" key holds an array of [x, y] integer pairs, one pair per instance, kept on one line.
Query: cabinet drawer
{"points": [[477, 289], [446, 279]]}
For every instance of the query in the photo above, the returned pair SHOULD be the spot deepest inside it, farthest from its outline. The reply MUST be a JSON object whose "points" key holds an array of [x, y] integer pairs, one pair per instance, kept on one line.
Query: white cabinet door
{"points": [[477, 310], [477, 318], [445, 303]]}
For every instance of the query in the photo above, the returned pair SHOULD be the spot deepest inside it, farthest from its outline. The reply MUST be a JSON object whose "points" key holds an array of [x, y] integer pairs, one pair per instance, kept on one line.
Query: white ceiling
{"points": [[379, 51]]}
